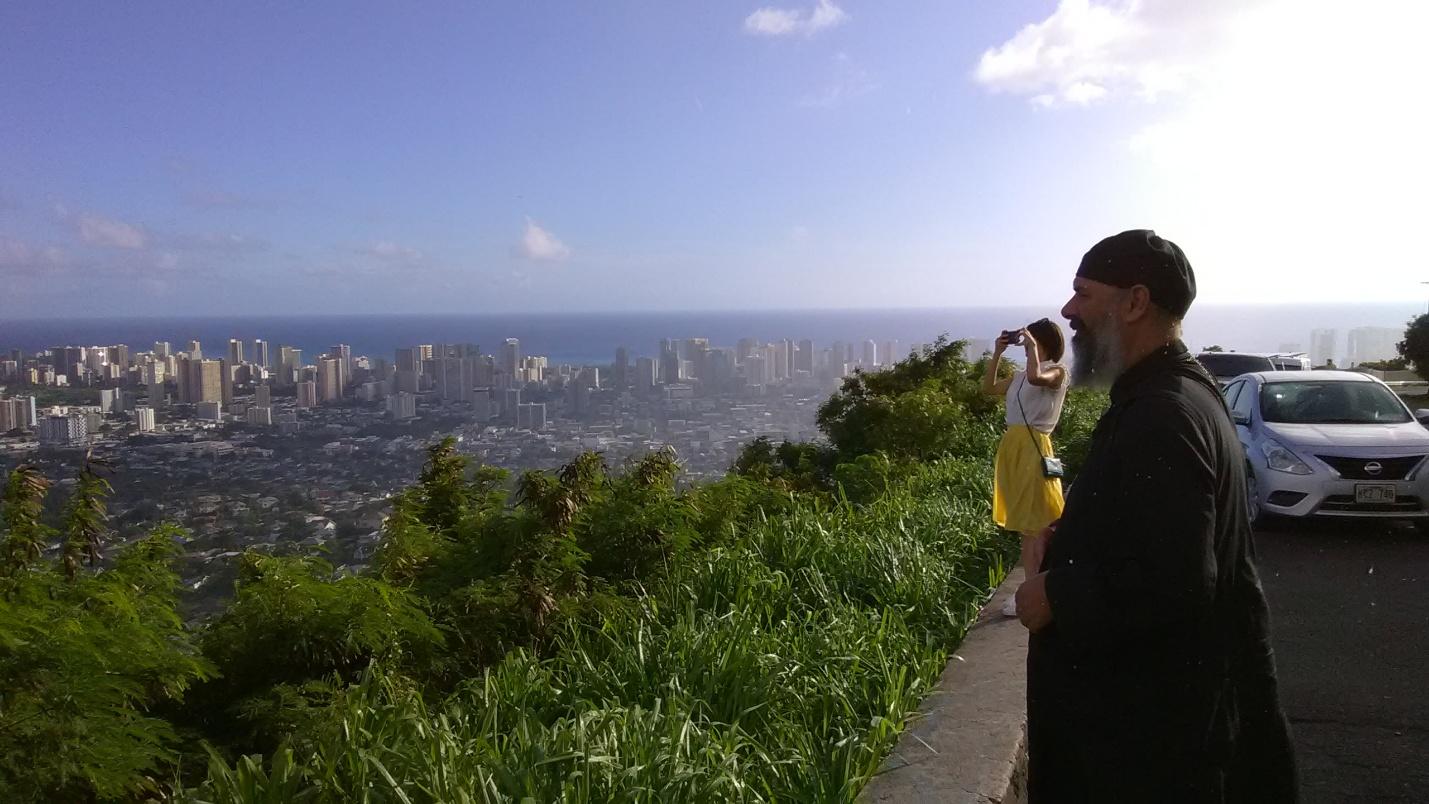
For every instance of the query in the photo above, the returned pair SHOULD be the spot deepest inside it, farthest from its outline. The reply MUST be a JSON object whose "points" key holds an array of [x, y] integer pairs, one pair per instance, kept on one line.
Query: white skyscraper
{"points": [[1323, 346], [511, 358], [402, 405], [144, 418], [63, 431], [1371, 344]]}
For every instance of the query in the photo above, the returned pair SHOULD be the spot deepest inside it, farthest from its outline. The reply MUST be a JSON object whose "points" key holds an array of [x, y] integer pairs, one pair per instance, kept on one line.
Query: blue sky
{"points": [[235, 158]]}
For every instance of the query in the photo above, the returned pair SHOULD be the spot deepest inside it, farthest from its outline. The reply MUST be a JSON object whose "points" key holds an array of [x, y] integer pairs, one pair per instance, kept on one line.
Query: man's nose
{"points": [[1068, 309]]}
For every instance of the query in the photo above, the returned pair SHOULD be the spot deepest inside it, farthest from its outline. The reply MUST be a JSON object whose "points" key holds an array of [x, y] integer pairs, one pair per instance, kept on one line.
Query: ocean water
{"points": [[592, 338]]}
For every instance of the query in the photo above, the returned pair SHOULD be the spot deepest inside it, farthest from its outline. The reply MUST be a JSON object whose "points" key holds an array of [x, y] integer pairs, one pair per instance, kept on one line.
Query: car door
{"points": [[1241, 398], [1233, 393]]}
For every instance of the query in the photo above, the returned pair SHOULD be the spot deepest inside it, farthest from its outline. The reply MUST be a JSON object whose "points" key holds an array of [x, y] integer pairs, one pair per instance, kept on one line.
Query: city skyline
{"points": [[814, 154]]}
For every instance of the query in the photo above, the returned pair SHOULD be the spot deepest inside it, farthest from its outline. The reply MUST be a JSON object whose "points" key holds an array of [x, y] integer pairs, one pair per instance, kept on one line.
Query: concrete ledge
{"points": [[968, 742]]}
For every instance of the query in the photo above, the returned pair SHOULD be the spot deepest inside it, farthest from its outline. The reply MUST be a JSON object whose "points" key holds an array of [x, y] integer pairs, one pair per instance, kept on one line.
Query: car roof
{"points": [[1314, 375]]}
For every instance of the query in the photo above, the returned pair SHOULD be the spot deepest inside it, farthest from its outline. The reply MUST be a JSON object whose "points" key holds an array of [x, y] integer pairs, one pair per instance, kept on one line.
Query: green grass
{"points": [[780, 667]]}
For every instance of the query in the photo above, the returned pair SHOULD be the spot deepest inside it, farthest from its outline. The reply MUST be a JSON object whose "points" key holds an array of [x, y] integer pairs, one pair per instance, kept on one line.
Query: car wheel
{"points": [[1252, 498]]}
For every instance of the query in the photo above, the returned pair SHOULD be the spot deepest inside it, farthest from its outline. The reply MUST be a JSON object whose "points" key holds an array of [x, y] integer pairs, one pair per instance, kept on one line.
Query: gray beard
{"points": [[1099, 358]]}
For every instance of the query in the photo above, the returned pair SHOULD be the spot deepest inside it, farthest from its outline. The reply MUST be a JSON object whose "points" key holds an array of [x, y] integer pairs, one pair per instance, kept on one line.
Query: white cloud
{"points": [[110, 233], [393, 252], [790, 21], [1087, 51], [539, 244]]}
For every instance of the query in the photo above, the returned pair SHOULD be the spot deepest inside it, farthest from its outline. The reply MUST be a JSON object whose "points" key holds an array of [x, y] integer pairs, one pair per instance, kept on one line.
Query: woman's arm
{"points": [[991, 385], [1037, 374]]}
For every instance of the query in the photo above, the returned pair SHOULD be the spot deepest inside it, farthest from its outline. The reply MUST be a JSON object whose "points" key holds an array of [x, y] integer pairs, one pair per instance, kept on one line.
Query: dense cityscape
{"points": [[257, 448]]}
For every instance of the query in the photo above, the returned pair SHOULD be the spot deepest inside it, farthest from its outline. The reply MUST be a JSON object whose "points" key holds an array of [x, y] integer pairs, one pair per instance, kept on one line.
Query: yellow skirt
{"points": [[1023, 500]]}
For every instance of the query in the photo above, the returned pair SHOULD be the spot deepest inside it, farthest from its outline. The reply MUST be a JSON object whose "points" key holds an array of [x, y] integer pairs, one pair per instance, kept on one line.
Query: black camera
{"points": [[1012, 336]]}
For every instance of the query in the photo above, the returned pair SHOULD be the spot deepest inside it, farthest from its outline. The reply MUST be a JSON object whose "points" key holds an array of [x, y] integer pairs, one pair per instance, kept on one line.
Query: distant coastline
{"points": [[593, 337]]}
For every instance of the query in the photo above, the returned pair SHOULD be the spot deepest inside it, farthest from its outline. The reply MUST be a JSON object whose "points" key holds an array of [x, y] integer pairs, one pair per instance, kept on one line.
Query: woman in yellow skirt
{"points": [[1024, 499]]}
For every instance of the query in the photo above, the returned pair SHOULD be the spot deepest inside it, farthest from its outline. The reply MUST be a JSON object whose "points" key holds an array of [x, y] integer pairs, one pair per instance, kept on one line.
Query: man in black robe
{"points": [[1150, 672]]}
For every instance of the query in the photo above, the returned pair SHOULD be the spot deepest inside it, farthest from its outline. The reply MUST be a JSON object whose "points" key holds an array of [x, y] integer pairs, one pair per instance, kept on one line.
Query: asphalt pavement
{"points": [[1350, 617]]}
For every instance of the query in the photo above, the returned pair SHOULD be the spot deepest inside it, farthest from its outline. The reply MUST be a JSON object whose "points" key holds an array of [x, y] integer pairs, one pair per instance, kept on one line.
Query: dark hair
{"points": [[1049, 338]]}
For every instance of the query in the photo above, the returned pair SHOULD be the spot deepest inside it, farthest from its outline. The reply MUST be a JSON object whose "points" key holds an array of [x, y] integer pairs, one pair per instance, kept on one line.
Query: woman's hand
{"points": [[1001, 343], [1029, 343]]}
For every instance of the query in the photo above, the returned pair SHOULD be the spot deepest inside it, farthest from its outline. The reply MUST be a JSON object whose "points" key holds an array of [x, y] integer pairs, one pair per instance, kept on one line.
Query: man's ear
{"points": [[1137, 303]]}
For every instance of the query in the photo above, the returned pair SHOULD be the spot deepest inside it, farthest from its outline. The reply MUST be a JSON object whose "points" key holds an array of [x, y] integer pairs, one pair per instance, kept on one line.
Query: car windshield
{"points": [[1331, 402], [1223, 364]]}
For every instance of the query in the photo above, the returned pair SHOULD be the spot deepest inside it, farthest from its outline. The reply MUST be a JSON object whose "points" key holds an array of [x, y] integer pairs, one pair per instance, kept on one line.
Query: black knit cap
{"points": [[1139, 257]]}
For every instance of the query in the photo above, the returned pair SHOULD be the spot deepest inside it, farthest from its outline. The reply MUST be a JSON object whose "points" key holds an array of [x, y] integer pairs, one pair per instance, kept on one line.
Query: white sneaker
{"points": [[1009, 606]]}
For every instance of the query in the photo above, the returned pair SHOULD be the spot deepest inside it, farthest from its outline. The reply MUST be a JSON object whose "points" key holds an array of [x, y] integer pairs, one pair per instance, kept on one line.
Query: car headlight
{"points": [[1281, 459]]}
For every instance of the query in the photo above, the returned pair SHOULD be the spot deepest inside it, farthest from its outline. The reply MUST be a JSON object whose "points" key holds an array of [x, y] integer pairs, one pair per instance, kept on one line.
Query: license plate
{"points": [[1372, 494]]}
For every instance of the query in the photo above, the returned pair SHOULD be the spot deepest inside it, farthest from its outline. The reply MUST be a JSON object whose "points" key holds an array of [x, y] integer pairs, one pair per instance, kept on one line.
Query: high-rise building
{"points": [[531, 416], [508, 408], [1323, 346], [890, 353], [804, 361], [195, 351], [645, 375], [754, 369], [208, 380], [144, 418], [260, 416], [745, 348], [1372, 344], [17, 413], [225, 381], [402, 406], [343, 354], [481, 404], [119, 355], [260, 353], [329, 380], [721, 370], [209, 411], [621, 369], [63, 431], [289, 361], [263, 396], [307, 394], [669, 361], [235, 351], [511, 357], [409, 370], [162, 349], [870, 354]]}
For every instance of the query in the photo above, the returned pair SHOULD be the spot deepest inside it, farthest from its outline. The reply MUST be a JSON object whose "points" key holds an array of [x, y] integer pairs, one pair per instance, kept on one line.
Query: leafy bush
{"points": [[779, 666], [85, 656]]}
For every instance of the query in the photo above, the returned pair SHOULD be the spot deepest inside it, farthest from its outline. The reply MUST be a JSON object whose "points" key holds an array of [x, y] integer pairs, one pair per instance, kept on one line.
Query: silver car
{"points": [[1330, 444]]}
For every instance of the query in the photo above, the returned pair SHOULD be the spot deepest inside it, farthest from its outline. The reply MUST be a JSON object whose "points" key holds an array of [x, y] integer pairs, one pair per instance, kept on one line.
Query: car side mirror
{"points": [[1243, 419], [1423, 416]]}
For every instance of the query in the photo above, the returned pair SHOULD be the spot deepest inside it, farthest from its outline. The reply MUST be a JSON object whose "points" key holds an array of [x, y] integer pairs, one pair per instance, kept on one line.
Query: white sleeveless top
{"points": [[1043, 406]]}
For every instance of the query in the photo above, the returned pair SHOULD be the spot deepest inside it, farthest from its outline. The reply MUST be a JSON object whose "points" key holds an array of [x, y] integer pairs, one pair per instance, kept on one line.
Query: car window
{"points": [[1229, 364], [1244, 402], [1232, 391], [1331, 402]]}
